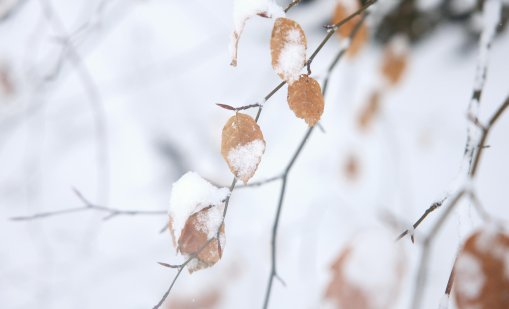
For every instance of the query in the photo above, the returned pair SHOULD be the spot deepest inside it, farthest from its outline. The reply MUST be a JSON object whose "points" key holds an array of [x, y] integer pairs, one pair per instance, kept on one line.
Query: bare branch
{"points": [[88, 206]]}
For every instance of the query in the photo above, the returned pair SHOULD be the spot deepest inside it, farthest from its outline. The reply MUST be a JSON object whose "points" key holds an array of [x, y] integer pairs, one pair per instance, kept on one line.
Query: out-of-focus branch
{"points": [[101, 134], [89, 206]]}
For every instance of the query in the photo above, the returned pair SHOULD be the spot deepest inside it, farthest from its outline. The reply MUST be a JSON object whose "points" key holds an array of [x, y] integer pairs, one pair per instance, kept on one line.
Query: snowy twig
{"points": [[421, 275], [475, 144], [89, 206]]}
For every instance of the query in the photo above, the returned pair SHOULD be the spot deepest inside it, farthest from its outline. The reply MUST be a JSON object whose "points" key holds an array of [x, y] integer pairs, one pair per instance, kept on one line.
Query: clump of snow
{"points": [[374, 266], [469, 271], [444, 302], [292, 56], [245, 9], [190, 194], [245, 158]]}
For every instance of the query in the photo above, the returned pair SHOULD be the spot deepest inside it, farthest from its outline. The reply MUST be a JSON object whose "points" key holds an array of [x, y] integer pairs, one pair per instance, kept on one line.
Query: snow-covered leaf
{"points": [[395, 60], [288, 49], [195, 216], [245, 9], [198, 230], [482, 271], [367, 274], [306, 100], [345, 8], [242, 145]]}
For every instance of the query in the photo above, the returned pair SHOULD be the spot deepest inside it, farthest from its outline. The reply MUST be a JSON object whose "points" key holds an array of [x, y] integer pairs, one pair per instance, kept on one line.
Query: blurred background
{"points": [[117, 100]]}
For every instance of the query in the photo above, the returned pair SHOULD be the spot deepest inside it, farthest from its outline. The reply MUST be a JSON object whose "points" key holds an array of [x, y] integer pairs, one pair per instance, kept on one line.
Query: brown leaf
{"points": [[367, 274], [395, 60], [341, 12], [370, 110], [242, 145], [306, 100], [194, 237], [288, 49], [482, 271]]}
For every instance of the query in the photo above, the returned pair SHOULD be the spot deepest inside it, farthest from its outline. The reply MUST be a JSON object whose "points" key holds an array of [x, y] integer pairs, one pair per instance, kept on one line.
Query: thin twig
{"points": [[88, 206], [284, 177], [291, 5]]}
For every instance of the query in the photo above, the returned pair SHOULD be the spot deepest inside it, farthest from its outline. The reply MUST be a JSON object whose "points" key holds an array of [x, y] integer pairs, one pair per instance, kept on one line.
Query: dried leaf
{"points": [[482, 271], [244, 10], [343, 10], [367, 273], [305, 99], [242, 145], [395, 60], [370, 110], [288, 49], [195, 235]]}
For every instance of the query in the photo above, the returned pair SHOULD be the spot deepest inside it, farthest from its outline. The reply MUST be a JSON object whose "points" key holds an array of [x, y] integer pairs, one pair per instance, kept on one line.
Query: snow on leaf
{"points": [[245, 9], [288, 49], [395, 60], [345, 8], [200, 228], [306, 100], [189, 195], [367, 274], [242, 145], [482, 279]]}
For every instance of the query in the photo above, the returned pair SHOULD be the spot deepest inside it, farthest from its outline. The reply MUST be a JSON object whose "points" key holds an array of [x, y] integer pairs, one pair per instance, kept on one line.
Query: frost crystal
{"points": [[245, 158], [190, 194]]}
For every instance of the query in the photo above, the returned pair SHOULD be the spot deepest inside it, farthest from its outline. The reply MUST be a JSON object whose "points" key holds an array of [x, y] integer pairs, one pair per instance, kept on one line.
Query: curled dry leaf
{"points": [[195, 217], [305, 99], [288, 49], [395, 60], [370, 110], [482, 271], [345, 8], [242, 145], [245, 9], [367, 274]]}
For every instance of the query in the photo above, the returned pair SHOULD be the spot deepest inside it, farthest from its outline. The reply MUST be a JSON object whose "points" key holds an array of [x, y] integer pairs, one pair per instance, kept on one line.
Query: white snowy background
{"points": [[160, 67]]}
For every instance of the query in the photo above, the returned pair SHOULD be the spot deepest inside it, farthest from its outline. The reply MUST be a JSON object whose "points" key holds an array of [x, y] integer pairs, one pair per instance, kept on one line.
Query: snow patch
{"points": [[245, 158], [470, 271], [292, 56], [190, 194]]}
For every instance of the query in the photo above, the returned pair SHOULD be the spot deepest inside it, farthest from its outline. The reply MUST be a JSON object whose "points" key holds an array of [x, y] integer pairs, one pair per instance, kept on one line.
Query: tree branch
{"points": [[89, 206]]}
